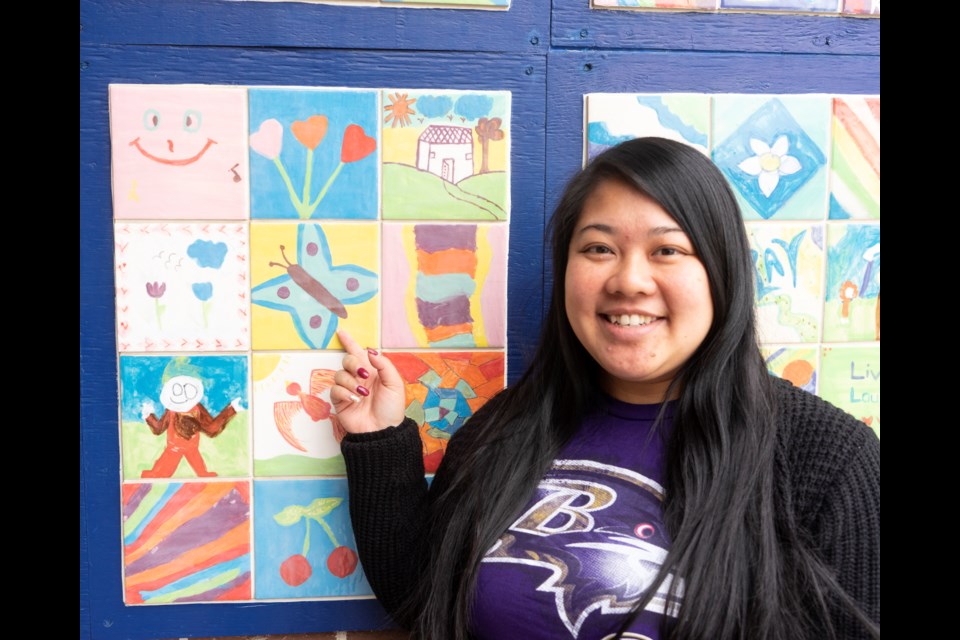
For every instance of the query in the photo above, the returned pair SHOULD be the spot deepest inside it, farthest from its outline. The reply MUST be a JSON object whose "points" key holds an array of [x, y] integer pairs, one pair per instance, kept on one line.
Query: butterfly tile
{"points": [[311, 279], [796, 364], [178, 152], [296, 432], [313, 154], [182, 287], [788, 261], [184, 416], [812, 6], [186, 542], [443, 389], [772, 150], [303, 540], [855, 158], [446, 155], [613, 118], [444, 285], [852, 305], [850, 379]]}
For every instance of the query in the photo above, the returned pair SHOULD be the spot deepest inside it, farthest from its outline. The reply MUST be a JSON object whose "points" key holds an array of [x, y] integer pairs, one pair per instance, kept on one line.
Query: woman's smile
{"points": [[637, 296]]}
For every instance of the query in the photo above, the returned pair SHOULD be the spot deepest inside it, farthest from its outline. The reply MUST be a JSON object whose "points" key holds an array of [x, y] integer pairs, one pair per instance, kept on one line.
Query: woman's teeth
{"points": [[633, 320]]}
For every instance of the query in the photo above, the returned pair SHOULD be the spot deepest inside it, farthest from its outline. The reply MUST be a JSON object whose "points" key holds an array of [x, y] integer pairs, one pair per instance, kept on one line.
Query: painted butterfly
{"points": [[313, 291]]}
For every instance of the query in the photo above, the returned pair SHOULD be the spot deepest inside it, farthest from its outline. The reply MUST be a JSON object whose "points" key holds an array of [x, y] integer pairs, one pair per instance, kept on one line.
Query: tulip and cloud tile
{"points": [[182, 287], [772, 150], [613, 118], [303, 541], [313, 154], [852, 305], [311, 279], [446, 155], [179, 152]]}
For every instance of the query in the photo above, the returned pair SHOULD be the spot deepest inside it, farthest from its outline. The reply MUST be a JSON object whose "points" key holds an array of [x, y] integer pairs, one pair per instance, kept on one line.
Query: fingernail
{"points": [[354, 398], [373, 352], [363, 373], [362, 390]]}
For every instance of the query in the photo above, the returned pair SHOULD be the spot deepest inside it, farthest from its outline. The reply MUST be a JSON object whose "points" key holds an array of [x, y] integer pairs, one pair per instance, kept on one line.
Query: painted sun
{"points": [[399, 110]]}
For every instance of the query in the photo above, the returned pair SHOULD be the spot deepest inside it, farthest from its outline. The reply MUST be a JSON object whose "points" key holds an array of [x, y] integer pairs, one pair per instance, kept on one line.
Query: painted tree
{"points": [[488, 129]]}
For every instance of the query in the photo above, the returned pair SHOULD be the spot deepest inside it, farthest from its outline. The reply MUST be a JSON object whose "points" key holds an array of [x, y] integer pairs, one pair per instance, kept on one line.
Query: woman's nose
{"points": [[632, 276]]}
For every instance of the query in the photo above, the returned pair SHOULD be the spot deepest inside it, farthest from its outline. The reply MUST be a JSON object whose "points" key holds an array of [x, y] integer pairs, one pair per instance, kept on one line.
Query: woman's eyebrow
{"points": [[602, 228], [659, 231]]}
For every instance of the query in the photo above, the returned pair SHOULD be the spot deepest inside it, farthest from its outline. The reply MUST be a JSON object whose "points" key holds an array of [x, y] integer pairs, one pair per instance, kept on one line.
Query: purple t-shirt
{"points": [[591, 539]]}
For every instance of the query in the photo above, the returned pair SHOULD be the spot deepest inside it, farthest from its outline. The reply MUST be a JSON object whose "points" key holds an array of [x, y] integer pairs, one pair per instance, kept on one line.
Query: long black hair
{"points": [[744, 572]]}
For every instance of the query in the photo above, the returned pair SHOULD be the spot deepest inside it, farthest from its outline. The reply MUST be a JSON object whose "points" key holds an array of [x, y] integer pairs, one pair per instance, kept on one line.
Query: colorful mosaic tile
{"points": [[303, 540], [613, 118], [812, 6], [313, 154], [855, 160], [659, 4], [446, 155], [852, 307], [443, 389], [796, 364], [788, 260], [862, 7], [771, 148], [186, 542]]}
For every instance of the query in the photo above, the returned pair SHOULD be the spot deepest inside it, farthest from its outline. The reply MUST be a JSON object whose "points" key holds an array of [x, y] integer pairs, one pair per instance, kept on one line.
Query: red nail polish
{"points": [[373, 352], [362, 390], [363, 373]]}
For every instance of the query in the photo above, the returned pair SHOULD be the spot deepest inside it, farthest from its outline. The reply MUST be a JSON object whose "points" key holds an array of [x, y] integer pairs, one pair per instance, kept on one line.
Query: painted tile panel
{"points": [[186, 542], [659, 4], [444, 285], [793, 6], [310, 279], [773, 151], [852, 307], [182, 287], [862, 7], [296, 432], [313, 154], [446, 155], [613, 118], [788, 260], [443, 389], [851, 380], [178, 152], [855, 158], [304, 544], [184, 416], [796, 364]]}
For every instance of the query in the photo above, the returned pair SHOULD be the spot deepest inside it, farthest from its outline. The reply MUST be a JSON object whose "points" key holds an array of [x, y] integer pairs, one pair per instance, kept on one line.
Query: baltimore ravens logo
{"points": [[594, 536]]}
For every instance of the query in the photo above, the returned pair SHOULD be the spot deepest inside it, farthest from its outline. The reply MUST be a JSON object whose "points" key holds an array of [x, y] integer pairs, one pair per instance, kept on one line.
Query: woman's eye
{"points": [[669, 251], [598, 250]]}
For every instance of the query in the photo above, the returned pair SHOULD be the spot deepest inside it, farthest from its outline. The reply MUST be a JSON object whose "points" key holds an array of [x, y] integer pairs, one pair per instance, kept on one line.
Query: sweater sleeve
{"points": [[388, 507], [848, 533]]}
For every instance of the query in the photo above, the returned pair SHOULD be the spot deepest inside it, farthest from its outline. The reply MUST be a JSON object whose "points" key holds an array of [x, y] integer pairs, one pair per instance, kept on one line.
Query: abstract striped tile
{"points": [[855, 166]]}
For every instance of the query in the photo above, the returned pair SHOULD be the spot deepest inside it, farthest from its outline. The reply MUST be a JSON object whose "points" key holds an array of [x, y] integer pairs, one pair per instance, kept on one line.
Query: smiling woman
{"points": [[646, 477]]}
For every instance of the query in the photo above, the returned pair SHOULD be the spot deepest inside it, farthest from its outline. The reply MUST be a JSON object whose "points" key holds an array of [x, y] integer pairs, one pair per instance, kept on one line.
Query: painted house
{"points": [[446, 151]]}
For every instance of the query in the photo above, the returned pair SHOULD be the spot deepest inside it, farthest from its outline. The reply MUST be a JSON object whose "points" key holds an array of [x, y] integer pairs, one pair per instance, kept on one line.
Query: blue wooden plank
{"points": [[522, 29], [572, 74], [575, 25], [523, 75]]}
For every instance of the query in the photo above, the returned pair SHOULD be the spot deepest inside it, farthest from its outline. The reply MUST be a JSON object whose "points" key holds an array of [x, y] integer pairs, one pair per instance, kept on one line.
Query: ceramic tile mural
{"points": [[821, 7], [444, 285], [249, 227], [855, 162], [446, 155], [806, 172]]}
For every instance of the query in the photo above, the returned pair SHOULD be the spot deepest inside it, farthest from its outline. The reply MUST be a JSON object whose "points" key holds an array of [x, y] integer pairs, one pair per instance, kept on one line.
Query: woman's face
{"points": [[637, 295]]}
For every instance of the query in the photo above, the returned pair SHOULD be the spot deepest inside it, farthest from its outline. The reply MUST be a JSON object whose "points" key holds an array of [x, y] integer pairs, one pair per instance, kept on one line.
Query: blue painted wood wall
{"points": [[548, 56]]}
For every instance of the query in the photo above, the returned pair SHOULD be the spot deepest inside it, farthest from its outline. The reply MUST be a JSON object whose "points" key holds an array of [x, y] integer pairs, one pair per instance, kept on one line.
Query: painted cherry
{"points": [[296, 570], [342, 561]]}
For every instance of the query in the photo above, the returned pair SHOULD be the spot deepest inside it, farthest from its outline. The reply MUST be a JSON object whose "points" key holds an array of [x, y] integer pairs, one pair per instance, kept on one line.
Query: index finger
{"points": [[349, 344]]}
